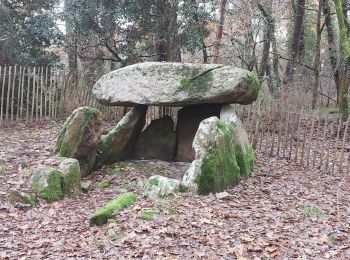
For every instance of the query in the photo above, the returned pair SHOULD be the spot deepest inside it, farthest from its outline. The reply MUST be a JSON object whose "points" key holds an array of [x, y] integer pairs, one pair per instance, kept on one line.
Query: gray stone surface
{"points": [[176, 84], [119, 143]]}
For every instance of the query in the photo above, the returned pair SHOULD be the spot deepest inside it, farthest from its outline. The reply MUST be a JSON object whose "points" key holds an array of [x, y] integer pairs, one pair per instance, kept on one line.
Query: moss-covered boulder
{"points": [[117, 204], [243, 148], [157, 141], [119, 143], [71, 178], [160, 186], [16, 196], [176, 84], [215, 166], [47, 183], [79, 137]]}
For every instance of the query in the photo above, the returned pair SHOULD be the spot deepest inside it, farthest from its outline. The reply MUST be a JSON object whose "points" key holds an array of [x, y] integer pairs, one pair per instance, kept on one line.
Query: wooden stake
{"points": [[8, 95], [13, 92], [343, 145], [2, 94]]}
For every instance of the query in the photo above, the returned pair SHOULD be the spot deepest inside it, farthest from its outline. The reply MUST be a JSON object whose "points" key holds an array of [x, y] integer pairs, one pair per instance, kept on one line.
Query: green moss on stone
{"points": [[201, 82], [148, 214], [117, 204], [183, 188], [15, 196], [154, 182], [49, 187], [219, 167], [71, 177], [103, 183], [252, 80], [245, 159]]}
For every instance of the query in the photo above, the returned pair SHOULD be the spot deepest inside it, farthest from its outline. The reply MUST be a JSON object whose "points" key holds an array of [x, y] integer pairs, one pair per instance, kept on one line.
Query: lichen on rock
{"points": [[117, 204]]}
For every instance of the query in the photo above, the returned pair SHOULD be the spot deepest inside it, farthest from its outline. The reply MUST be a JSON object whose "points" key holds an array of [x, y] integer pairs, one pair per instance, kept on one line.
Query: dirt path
{"points": [[281, 211]]}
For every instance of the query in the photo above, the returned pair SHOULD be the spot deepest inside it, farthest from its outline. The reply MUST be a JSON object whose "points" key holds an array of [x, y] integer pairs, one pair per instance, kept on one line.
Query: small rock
{"points": [[85, 185], [222, 195], [21, 198], [160, 186]]}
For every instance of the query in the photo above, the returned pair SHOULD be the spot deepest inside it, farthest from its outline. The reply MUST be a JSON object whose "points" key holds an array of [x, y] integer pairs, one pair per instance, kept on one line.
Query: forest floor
{"points": [[281, 212]]}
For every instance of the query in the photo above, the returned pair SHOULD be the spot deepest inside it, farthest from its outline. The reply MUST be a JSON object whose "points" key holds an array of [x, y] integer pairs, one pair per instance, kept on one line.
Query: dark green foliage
{"points": [[176, 26], [27, 29]]}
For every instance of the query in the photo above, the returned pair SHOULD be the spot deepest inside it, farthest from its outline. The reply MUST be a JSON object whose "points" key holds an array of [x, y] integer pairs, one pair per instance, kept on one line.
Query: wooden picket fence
{"points": [[315, 141], [32, 94]]}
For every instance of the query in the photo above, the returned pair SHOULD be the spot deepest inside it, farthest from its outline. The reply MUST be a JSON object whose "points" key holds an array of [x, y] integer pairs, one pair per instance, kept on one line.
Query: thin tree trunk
{"points": [[219, 31], [345, 70], [298, 24], [317, 56], [274, 81], [332, 50]]}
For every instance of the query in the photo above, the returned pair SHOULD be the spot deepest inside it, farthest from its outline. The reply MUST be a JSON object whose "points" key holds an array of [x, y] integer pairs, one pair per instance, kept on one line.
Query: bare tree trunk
{"points": [[219, 31], [274, 81], [332, 49], [345, 70], [298, 24], [317, 56]]}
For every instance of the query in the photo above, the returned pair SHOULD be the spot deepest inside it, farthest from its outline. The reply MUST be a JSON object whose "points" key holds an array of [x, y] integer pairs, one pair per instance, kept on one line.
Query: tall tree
{"points": [[317, 56], [219, 31], [297, 30], [345, 68], [332, 49]]}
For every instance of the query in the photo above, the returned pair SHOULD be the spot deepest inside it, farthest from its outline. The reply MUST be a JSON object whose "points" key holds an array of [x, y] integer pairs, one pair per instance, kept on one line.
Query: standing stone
{"points": [[176, 84], [119, 143], [70, 176], [188, 120], [47, 183], [157, 141], [79, 137], [215, 167], [244, 150]]}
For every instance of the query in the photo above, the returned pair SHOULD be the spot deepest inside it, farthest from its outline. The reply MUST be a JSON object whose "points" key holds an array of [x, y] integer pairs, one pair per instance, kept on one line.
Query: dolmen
{"points": [[207, 131]]}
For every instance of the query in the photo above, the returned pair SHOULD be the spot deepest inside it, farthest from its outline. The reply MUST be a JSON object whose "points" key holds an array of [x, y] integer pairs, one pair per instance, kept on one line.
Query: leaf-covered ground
{"points": [[281, 212]]}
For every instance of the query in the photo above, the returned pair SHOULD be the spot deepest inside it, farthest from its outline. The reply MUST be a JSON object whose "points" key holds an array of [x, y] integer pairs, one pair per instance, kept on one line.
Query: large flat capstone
{"points": [[176, 84]]}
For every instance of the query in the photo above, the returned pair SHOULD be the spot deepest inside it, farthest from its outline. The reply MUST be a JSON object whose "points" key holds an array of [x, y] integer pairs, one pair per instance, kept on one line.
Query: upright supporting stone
{"points": [[243, 148], [80, 136], [157, 141], [215, 167], [189, 118], [119, 143]]}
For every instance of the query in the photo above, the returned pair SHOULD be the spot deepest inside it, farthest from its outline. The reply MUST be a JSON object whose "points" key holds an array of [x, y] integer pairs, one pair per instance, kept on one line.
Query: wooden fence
{"points": [[314, 141]]}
